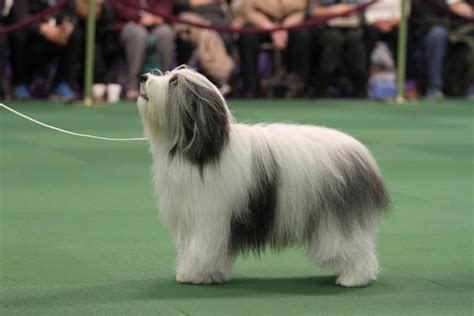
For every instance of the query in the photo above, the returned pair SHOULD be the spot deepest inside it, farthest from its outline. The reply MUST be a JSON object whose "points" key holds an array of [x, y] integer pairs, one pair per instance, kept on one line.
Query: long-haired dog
{"points": [[226, 188]]}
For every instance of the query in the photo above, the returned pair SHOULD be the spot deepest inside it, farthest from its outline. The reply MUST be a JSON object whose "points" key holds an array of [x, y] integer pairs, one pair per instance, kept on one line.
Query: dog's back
{"points": [[305, 173]]}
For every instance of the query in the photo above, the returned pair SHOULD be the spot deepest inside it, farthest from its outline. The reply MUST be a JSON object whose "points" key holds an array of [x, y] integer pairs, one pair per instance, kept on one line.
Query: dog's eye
{"points": [[173, 81]]}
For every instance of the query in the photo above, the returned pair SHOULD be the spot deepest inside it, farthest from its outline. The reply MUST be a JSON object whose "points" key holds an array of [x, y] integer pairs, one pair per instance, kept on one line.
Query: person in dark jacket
{"points": [[45, 40], [139, 19]]}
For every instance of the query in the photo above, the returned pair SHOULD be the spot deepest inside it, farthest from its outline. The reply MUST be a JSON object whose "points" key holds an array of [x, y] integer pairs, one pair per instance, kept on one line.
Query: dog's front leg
{"points": [[203, 259]]}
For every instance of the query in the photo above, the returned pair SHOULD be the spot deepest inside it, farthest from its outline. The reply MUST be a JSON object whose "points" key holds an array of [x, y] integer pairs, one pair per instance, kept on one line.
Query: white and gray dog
{"points": [[226, 188]]}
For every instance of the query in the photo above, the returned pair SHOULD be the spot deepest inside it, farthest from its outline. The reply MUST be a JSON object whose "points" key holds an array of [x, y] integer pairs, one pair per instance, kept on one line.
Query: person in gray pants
{"points": [[138, 25]]}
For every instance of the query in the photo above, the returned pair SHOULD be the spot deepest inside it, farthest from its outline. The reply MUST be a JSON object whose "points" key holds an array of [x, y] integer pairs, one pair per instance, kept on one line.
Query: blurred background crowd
{"points": [[353, 55]]}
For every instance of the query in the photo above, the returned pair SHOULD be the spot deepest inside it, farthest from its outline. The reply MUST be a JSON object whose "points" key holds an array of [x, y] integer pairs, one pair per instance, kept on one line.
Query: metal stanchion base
{"points": [[88, 102], [400, 100]]}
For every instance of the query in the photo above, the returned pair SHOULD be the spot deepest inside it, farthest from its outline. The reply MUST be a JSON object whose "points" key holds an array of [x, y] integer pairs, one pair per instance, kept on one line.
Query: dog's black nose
{"points": [[143, 78]]}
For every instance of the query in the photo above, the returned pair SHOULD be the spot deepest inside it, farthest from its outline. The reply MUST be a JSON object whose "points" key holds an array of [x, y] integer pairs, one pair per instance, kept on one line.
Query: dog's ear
{"points": [[199, 119]]}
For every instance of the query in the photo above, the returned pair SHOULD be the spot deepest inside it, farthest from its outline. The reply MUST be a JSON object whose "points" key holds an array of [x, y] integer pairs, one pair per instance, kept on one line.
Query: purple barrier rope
{"points": [[228, 29], [32, 18]]}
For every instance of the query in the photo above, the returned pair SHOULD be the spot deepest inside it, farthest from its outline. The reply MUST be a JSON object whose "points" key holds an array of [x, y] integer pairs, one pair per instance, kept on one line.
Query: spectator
{"points": [[270, 14], [5, 6], [208, 48], [434, 21], [37, 45], [138, 25], [382, 19], [340, 41]]}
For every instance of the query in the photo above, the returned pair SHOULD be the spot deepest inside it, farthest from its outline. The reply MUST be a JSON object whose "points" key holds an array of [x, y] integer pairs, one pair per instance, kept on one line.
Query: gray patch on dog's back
{"points": [[252, 228], [360, 198]]}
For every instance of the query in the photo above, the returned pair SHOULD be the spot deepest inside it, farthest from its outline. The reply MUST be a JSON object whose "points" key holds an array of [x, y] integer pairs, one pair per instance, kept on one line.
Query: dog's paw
{"points": [[353, 280], [204, 278]]}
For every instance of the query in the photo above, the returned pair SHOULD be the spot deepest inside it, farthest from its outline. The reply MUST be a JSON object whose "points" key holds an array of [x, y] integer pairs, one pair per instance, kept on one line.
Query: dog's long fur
{"points": [[226, 188]]}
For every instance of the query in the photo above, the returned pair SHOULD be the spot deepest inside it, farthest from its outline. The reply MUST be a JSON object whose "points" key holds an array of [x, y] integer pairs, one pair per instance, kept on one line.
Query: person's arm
{"points": [[337, 9], [461, 8]]}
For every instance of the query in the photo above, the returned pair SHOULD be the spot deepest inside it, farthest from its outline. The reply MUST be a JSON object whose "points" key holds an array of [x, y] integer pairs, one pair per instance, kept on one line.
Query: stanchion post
{"points": [[402, 52], [90, 47]]}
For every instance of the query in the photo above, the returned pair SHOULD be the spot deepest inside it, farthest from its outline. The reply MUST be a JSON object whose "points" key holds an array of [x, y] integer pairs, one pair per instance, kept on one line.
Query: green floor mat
{"points": [[80, 234]]}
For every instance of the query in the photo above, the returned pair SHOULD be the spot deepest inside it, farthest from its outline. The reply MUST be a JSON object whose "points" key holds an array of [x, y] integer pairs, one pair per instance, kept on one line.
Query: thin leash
{"points": [[69, 132]]}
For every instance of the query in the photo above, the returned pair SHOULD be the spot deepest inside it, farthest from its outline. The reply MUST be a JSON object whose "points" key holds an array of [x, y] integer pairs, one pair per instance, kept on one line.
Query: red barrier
{"points": [[222, 28], [33, 18], [176, 19]]}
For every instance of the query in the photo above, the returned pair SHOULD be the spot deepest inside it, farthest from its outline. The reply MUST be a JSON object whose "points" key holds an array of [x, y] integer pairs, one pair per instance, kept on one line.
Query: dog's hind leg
{"points": [[350, 254]]}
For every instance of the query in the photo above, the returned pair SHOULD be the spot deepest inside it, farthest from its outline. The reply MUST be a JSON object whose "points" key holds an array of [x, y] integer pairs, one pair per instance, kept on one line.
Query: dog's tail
{"points": [[360, 195]]}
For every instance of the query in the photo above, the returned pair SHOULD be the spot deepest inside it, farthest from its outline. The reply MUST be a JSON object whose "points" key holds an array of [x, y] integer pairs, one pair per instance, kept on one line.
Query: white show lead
{"points": [[69, 132]]}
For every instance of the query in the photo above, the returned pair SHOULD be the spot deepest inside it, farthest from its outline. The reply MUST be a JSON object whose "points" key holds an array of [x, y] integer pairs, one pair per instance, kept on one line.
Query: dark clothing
{"points": [[134, 36], [127, 13], [341, 49], [3, 60], [297, 56], [373, 35], [30, 51], [426, 14], [107, 48], [24, 8], [433, 23]]}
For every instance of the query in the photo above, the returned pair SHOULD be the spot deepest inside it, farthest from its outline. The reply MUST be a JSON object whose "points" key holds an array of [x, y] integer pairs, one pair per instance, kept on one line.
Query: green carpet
{"points": [[80, 233]]}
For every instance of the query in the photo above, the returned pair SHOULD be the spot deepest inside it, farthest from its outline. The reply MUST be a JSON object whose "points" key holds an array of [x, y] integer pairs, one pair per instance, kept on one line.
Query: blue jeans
{"points": [[436, 43]]}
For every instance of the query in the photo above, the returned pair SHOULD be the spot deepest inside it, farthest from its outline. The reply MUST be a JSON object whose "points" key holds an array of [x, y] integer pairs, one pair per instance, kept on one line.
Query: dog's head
{"points": [[186, 111]]}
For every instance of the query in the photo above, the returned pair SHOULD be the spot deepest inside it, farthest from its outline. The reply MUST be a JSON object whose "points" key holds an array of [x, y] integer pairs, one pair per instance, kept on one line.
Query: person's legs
{"points": [[20, 63], [3, 59], [436, 44], [42, 53], [356, 59], [391, 39], [66, 55], [299, 52], [164, 45], [249, 49], [331, 42], [20, 59], [100, 67], [372, 36], [134, 37]]}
